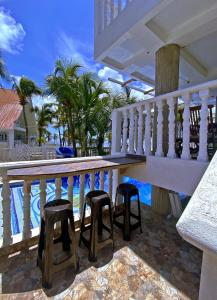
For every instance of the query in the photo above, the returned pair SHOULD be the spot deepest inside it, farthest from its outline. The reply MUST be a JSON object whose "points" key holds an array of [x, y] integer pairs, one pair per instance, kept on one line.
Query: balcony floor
{"points": [[156, 264]]}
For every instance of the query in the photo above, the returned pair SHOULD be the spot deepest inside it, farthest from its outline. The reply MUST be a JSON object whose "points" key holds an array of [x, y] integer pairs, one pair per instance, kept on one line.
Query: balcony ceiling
{"points": [[190, 23]]}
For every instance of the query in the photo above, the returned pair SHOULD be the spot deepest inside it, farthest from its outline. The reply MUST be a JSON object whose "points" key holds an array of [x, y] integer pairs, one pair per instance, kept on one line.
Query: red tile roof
{"points": [[10, 109]]}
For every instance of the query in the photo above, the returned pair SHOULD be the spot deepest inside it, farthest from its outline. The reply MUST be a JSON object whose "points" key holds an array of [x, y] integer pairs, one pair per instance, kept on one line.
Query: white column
{"points": [[11, 138], [159, 151], [115, 182], [105, 13], [43, 186], [101, 180], [92, 181], [186, 127], [125, 129], [148, 129], [112, 10], [171, 150], [135, 130], [204, 96], [116, 131], [58, 191], [131, 132], [98, 19], [110, 173], [70, 188], [81, 202], [26, 210], [140, 131], [6, 210], [208, 279], [119, 6]]}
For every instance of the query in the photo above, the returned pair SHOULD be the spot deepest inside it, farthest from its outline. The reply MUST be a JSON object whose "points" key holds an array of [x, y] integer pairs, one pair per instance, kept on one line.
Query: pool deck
{"points": [[156, 264]]}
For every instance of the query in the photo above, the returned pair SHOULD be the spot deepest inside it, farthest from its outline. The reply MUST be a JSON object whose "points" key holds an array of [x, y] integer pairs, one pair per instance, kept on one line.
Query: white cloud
{"points": [[40, 100], [76, 51], [11, 32]]}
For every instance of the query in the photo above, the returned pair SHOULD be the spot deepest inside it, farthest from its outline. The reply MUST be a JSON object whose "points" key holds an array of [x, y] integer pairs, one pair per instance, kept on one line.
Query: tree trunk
{"points": [[26, 125], [100, 145], [166, 80]]}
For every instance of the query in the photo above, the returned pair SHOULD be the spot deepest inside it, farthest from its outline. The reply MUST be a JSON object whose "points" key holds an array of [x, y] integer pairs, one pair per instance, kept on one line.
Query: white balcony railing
{"points": [[26, 182], [133, 129], [106, 11]]}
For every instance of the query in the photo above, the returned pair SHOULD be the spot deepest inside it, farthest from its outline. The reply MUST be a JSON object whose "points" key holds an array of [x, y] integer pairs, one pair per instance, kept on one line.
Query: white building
{"points": [[12, 128]]}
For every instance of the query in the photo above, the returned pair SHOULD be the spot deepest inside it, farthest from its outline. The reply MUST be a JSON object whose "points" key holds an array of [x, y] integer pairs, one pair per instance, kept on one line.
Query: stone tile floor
{"points": [[156, 264]]}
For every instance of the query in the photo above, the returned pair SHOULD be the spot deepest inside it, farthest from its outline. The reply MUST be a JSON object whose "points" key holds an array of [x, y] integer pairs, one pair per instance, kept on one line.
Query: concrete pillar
{"points": [[166, 80]]}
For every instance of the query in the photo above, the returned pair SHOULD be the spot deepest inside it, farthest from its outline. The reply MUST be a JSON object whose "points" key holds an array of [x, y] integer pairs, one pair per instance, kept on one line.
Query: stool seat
{"points": [[56, 211], [96, 199], [127, 190]]}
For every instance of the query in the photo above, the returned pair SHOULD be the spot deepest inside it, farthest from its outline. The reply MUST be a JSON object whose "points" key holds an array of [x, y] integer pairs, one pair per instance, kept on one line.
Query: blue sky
{"points": [[34, 33]]}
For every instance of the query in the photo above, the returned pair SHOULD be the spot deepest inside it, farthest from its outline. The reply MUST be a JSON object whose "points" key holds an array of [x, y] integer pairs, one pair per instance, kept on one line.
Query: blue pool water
{"points": [[17, 198]]}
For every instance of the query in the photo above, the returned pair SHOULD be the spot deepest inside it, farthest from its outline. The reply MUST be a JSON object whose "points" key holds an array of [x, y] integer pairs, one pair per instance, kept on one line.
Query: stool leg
{"points": [[82, 223], [74, 244], [126, 228], [93, 235], [111, 225], [48, 257], [139, 213], [41, 242], [65, 235]]}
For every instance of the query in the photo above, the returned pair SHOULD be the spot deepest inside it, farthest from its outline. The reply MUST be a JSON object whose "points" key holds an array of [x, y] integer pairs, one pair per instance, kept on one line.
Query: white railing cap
{"points": [[198, 223], [209, 85]]}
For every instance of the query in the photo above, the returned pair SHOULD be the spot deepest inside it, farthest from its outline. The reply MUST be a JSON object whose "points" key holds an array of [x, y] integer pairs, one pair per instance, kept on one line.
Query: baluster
{"points": [[125, 129], [148, 130], [101, 182], [171, 150], [82, 179], [43, 186], [92, 181], [136, 131], [110, 173], [6, 210], [119, 6], [140, 131], [159, 151], [115, 182], [112, 10], [58, 184], [186, 127], [105, 13], [202, 155], [131, 132], [26, 209], [70, 188]]}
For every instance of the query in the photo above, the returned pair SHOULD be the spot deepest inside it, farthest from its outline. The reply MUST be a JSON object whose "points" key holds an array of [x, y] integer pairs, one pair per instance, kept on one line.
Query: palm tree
{"points": [[3, 71], [25, 89], [43, 118], [63, 85]]}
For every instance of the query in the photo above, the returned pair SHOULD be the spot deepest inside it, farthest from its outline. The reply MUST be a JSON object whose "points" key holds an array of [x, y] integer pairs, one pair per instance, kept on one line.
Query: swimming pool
{"points": [[17, 198]]}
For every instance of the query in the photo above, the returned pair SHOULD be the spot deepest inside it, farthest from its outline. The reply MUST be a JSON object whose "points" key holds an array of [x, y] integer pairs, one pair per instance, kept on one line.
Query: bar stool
{"points": [[96, 200], [56, 211], [127, 190]]}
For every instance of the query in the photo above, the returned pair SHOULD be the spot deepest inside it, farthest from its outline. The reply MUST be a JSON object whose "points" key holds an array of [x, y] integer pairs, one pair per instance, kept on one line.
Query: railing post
{"points": [[171, 150], [116, 131], [58, 191], [43, 186], [186, 127], [159, 151], [70, 188], [125, 129], [110, 173], [136, 130], [115, 182], [139, 150], [6, 209], [101, 180], [81, 202], [148, 129], [26, 209], [92, 181], [204, 96], [131, 131]]}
